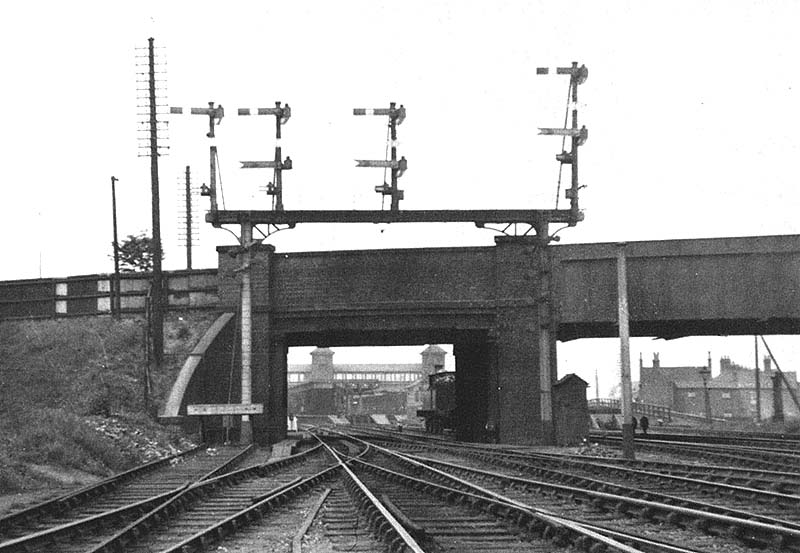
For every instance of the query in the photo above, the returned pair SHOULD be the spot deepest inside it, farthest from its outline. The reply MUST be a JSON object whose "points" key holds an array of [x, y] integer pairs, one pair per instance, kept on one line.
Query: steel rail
{"points": [[25, 543], [764, 529], [196, 489], [782, 440], [765, 533], [533, 520], [297, 539], [233, 523], [65, 502], [536, 520], [774, 497], [779, 482], [150, 505], [228, 464], [710, 445], [715, 453], [778, 479], [633, 539], [392, 531], [745, 476]]}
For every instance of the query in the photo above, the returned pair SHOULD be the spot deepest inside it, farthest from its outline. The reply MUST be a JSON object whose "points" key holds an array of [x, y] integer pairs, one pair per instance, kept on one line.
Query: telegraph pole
{"points": [[157, 328], [626, 403], [189, 221], [115, 287]]}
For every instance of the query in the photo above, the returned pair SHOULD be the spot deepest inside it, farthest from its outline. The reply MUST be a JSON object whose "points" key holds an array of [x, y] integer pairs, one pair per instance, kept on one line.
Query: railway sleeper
{"points": [[520, 518]]}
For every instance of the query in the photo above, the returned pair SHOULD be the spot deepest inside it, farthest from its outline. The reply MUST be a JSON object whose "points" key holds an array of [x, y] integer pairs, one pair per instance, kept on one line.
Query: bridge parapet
{"points": [[92, 294]]}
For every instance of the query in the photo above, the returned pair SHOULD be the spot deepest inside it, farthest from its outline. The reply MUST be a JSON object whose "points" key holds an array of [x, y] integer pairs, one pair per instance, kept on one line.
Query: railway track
{"points": [[378, 495], [778, 481], [692, 521], [114, 501], [774, 440], [512, 526], [695, 468], [733, 454], [683, 490]]}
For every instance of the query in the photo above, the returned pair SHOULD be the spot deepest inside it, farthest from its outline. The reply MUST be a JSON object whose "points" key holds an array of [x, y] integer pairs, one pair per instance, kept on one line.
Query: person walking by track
{"points": [[645, 424]]}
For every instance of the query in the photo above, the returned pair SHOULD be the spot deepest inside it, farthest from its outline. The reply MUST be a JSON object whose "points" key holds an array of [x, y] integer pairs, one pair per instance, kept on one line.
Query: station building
{"points": [[326, 388]]}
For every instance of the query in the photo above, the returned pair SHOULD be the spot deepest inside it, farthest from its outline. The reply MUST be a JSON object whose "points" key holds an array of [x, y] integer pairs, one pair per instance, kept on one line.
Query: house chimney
{"points": [[767, 364], [656, 361]]}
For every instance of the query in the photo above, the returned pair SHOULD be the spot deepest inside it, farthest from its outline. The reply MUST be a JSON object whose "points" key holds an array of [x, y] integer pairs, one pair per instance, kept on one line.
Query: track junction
{"points": [[371, 489]]}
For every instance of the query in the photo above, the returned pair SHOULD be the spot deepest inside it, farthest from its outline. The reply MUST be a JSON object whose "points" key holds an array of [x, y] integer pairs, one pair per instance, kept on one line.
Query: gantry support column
{"points": [[524, 338], [246, 325], [269, 352], [267, 359], [472, 386]]}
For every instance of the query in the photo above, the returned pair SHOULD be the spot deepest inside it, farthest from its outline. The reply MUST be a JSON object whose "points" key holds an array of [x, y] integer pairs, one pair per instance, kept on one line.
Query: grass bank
{"points": [[72, 396]]}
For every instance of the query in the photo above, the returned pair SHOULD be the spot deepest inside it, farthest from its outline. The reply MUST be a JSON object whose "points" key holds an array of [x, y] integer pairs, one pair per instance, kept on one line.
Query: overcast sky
{"points": [[692, 110]]}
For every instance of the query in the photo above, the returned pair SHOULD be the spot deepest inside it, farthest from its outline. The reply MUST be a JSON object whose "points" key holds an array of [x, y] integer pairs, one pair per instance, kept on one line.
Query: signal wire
{"points": [[563, 143]]}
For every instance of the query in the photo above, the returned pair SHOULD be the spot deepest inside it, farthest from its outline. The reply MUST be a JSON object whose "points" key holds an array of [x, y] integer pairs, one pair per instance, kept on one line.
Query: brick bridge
{"points": [[502, 307]]}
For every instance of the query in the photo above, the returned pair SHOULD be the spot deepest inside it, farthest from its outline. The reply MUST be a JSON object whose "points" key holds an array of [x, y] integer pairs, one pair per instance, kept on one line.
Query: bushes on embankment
{"points": [[72, 395]]}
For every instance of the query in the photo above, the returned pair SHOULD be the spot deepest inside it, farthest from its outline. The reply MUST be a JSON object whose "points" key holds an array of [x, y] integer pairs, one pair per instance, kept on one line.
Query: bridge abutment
{"points": [[472, 389]]}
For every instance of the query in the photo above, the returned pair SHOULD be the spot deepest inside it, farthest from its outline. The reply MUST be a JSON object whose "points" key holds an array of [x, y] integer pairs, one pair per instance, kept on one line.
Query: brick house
{"points": [[732, 393]]}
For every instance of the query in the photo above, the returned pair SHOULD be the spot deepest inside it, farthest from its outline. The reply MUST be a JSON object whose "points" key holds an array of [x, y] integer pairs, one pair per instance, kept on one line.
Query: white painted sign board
{"points": [[225, 409]]}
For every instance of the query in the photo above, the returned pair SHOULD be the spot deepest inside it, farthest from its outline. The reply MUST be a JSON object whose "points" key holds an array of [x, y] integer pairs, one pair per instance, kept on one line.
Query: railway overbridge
{"points": [[503, 308]]}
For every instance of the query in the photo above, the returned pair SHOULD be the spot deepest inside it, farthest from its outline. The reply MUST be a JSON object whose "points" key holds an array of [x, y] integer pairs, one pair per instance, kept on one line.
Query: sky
{"points": [[691, 109]]}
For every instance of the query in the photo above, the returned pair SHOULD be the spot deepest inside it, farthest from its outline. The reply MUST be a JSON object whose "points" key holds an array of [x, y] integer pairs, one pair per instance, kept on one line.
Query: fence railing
{"points": [[94, 294], [610, 405]]}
